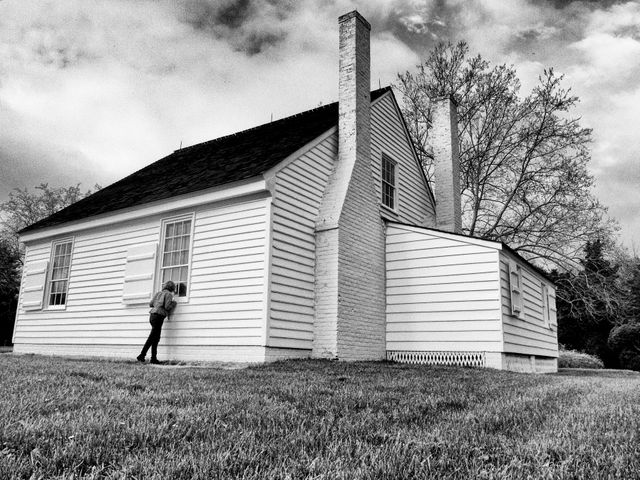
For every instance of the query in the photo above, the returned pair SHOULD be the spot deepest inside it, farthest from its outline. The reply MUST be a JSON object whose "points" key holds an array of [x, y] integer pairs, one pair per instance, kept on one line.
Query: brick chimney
{"points": [[446, 159], [350, 246], [354, 94]]}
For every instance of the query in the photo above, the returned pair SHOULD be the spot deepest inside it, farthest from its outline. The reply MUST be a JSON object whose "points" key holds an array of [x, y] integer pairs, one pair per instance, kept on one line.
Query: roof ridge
{"points": [[241, 132], [262, 125], [230, 158]]}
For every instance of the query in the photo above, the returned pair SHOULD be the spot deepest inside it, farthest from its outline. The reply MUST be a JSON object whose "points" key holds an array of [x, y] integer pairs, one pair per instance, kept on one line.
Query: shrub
{"points": [[624, 340], [573, 359]]}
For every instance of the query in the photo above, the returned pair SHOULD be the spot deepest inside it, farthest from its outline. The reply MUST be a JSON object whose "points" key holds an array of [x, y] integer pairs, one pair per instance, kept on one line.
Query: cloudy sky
{"points": [[91, 90]]}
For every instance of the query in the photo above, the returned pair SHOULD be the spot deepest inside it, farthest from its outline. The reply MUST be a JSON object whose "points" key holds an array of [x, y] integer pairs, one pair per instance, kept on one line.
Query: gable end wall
{"points": [[388, 135], [298, 192]]}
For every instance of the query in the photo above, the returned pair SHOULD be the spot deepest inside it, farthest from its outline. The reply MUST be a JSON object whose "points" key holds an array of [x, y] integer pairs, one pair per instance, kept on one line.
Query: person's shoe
{"points": [[154, 361], [140, 358]]}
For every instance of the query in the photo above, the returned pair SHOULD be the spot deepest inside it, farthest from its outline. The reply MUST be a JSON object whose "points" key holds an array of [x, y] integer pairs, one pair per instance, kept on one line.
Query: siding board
{"points": [[388, 136], [299, 187], [226, 300], [442, 294], [528, 335]]}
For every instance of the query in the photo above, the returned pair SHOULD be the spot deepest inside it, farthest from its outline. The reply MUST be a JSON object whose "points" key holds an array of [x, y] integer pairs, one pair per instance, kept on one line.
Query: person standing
{"points": [[162, 304]]}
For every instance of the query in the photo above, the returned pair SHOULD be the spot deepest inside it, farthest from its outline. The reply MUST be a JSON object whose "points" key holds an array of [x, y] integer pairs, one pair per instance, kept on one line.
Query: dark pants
{"points": [[156, 322]]}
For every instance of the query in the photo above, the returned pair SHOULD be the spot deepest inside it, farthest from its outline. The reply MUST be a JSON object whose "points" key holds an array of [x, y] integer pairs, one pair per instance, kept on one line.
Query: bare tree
{"points": [[24, 208], [523, 159]]}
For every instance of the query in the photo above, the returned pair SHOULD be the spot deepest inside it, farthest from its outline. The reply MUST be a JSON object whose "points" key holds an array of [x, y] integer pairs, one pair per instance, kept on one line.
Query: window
{"points": [[176, 248], [515, 282], [59, 278], [389, 182]]}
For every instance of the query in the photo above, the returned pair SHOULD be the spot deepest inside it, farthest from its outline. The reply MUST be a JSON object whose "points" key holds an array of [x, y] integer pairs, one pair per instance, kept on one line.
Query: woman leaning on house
{"points": [[162, 304]]}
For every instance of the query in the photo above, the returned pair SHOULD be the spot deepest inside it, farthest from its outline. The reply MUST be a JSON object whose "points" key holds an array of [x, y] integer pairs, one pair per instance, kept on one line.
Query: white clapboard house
{"points": [[312, 236]]}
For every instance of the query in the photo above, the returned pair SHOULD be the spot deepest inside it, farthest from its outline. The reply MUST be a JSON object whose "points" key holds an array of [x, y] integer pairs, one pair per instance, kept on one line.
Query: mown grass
{"points": [[312, 419]]}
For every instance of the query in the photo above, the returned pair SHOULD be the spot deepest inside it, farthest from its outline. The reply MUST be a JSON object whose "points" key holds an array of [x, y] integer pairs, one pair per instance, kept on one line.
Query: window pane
{"points": [[58, 282], [175, 254], [166, 275]]}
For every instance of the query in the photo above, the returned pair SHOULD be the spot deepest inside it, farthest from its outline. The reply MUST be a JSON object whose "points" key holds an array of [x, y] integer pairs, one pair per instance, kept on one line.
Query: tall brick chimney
{"points": [[350, 246], [354, 83], [446, 158]]}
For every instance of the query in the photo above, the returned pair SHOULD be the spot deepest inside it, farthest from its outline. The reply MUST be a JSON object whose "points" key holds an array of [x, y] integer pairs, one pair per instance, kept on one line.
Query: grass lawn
{"points": [[63, 418]]}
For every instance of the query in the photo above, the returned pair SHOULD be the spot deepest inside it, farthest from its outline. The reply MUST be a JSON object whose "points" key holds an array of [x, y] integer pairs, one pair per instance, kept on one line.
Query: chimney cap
{"points": [[443, 98], [356, 14]]}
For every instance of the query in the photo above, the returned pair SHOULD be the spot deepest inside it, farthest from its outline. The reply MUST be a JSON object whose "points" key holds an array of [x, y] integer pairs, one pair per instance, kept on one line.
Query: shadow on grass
{"points": [[592, 372]]}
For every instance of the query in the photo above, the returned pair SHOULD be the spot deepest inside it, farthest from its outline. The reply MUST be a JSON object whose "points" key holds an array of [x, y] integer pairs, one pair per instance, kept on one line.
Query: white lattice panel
{"points": [[463, 359]]}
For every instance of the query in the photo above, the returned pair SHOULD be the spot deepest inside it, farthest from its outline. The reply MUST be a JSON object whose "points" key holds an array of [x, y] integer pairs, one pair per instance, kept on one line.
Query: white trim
{"points": [[500, 315], [266, 298], [449, 236], [396, 190], [49, 279], [411, 145], [178, 218], [269, 174], [189, 200]]}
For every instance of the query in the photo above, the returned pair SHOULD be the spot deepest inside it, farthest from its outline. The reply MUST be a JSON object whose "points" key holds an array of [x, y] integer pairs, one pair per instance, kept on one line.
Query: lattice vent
{"points": [[463, 359]]}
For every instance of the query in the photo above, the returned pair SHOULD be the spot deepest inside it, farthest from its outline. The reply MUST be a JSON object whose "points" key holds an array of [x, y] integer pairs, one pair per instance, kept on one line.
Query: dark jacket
{"points": [[162, 303]]}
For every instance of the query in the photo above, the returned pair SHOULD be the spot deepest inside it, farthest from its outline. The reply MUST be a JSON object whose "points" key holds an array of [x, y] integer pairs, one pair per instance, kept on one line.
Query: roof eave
{"points": [[242, 188]]}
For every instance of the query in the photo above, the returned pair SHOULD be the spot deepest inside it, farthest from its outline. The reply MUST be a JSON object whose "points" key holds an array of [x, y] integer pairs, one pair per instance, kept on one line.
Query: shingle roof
{"points": [[224, 160]]}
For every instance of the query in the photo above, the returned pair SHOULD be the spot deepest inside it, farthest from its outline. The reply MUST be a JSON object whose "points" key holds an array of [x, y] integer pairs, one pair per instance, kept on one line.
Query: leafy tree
{"points": [[590, 301], [24, 208], [624, 341], [9, 284], [523, 159]]}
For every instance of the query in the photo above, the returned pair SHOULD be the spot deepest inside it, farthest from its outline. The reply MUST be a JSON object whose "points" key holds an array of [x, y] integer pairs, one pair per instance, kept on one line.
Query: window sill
{"points": [[389, 213], [56, 307]]}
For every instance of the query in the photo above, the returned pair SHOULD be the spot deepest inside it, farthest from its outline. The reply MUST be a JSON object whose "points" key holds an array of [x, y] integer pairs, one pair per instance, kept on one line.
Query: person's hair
{"points": [[169, 285]]}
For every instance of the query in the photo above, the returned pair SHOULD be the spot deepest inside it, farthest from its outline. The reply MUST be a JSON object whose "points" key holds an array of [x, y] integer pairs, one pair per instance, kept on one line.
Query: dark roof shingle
{"points": [[224, 160]]}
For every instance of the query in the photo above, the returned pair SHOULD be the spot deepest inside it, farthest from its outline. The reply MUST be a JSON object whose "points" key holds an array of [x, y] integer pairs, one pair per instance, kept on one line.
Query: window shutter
{"points": [[138, 274], [553, 318], [34, 280], [516, 293], [545, 305]]}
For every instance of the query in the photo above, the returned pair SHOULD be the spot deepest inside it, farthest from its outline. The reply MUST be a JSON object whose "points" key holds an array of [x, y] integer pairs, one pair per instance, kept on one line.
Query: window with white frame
{"points": [[389, 184], [176, 250], [515, 283], [59, 276]]}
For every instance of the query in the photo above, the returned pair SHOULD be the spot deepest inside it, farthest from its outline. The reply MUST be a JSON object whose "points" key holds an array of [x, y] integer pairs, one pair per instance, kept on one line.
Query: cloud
{"points": [[91, 91]]}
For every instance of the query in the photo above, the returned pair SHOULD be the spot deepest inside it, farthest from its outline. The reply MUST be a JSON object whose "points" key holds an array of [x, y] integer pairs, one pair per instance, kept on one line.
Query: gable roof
{"points": [[238, 156]]}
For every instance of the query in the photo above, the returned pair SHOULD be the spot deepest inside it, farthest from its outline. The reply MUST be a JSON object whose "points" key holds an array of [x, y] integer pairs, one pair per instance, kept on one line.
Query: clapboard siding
{"points": [[443, 293], [388, 136], [528, 335], [299, 187], [227, 284]]}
